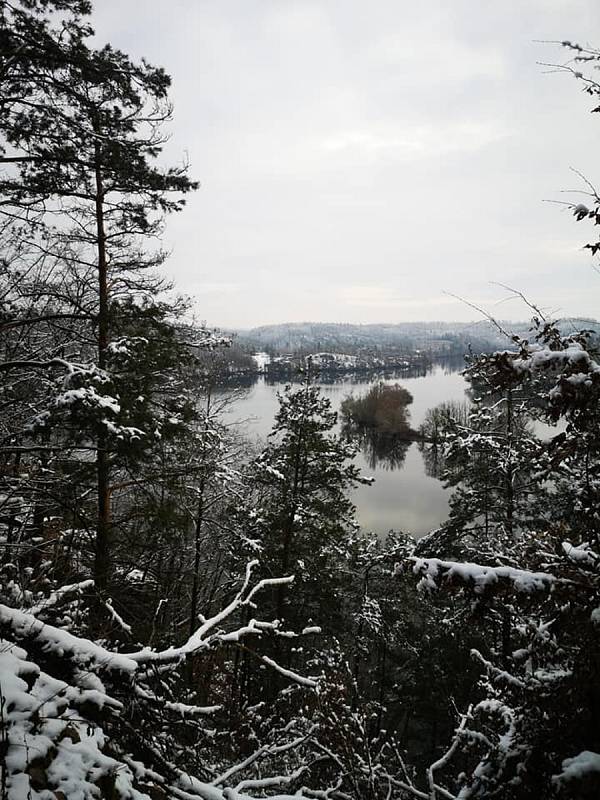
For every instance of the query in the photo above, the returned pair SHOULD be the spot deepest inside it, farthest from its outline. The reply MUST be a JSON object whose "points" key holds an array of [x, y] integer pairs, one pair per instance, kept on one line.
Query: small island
{"points": [[379, 422], [383, 409]]}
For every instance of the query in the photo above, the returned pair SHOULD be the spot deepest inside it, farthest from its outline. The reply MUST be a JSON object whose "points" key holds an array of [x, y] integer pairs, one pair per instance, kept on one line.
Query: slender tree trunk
{"points": [[510, 500], [382, 668], [197, 543], [198, 525], [506, 636], [103, 522], [288, 530]]}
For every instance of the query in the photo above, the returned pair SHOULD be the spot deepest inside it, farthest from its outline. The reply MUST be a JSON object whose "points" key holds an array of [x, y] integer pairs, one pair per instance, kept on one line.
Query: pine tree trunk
{"points": [[103, 522], [510, 500], [196, 572], [198, 525]]}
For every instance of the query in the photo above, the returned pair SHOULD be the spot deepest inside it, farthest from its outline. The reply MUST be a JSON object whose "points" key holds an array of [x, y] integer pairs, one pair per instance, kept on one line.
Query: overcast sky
{"points": [[358, 160]]}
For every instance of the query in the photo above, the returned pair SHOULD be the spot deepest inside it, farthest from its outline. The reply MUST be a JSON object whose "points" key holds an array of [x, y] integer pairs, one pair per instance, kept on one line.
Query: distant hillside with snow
{"points": [[438, 337]]}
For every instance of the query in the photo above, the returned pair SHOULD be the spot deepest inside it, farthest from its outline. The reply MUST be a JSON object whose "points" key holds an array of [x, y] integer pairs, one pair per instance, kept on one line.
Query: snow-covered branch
{"points": [[435, 572], [206, 636], [24, 627], [59, 595]]}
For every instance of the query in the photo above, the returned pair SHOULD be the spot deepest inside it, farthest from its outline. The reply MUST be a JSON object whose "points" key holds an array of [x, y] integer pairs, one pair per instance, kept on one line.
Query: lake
{"points": [[405, 498]]}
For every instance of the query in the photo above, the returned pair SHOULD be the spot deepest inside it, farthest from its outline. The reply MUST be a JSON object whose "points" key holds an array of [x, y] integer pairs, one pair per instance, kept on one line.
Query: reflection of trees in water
{"points": [[322, 377], [433, 458], [451, 414], [331, 377], [237, 380], [381, 450], [350, 377]]}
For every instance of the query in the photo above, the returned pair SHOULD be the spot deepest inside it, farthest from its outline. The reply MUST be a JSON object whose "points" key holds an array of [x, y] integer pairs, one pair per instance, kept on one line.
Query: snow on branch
{"points": [[58, 595], [81, 749], [434, 572], [204, 338], [257, 755], [497, 674], [573, 357], [70, 367], [583, 765], [566, 362], [270, 782], [24, 627], [582, 554], [183, 709], [209, 634], [288, 673], [116, 617], [50, 741]]}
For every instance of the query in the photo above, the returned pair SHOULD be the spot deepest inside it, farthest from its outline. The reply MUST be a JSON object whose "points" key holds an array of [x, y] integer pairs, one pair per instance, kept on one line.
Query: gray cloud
{"points": [[357, 160]]}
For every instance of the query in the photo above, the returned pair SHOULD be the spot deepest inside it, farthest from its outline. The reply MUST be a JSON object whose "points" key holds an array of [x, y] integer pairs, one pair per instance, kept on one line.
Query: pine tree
{"points": [[305, 516], [84, 128], [493, 461]]}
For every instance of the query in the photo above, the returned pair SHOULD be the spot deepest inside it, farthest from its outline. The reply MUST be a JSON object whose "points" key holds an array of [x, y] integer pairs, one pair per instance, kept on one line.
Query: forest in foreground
{"points": [[184, 616]]}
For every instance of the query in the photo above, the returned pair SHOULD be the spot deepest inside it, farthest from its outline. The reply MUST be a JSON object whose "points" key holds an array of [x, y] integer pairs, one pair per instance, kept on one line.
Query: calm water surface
{"points": [[404, 499]]}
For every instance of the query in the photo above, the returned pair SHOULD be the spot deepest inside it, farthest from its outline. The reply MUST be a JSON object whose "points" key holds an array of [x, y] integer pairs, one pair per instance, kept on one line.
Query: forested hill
{"points": [[444, 337]]}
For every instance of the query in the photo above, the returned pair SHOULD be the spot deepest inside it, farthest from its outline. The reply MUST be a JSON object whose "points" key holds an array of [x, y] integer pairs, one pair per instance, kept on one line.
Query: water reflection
{"points": [[381, 450], [331, 377], [433, 459], [353, 378]]}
